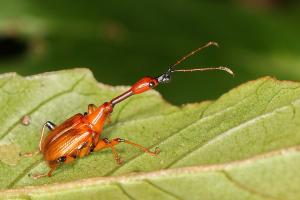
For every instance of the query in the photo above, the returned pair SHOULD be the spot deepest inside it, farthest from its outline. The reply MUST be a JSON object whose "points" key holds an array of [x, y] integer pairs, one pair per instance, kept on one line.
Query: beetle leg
{"points": [[52, 165], [91, 108], [50, 126], [144, 149], [116, 155], [37, 176], [105, 143], [67, 159], [28, 154], [83, 150]]}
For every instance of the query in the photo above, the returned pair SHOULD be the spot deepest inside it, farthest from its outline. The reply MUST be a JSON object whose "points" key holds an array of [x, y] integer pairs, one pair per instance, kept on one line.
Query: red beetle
{"points": [[80, 135]]}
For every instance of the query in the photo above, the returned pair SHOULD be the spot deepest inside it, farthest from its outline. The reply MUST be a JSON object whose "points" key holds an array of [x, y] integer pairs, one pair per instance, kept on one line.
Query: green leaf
{"points": [[245, 145]]}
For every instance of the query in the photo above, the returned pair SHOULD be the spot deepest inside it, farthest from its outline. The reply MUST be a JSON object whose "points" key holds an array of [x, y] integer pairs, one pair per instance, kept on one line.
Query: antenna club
{"points": [[213, 43], [222, 68], [228, 70]]}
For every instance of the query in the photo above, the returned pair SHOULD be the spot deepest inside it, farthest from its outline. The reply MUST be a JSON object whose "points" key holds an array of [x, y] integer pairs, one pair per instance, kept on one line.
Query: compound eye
{"points": [[151, 84]]}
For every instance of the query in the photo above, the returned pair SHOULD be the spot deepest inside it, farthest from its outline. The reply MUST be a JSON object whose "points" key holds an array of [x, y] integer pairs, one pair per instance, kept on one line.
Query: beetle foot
{"points": [[119, 161], [157, 150], [37, 176], [28, 154]]}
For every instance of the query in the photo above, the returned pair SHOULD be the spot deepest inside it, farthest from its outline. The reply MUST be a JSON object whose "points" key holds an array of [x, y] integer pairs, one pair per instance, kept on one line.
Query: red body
{"points": [[74, 134], [80, 135]]}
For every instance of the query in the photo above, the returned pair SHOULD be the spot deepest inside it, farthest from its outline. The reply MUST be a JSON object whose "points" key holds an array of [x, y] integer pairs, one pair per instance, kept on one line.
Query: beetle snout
{"points": [[144, 85]]}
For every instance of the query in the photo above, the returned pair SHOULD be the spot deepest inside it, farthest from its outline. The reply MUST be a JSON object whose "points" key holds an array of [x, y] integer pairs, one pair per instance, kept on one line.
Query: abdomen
{"points": [[61, 130], [67, 144]]}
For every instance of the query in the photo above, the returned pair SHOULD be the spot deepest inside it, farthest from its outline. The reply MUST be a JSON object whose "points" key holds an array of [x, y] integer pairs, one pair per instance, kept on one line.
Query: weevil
{"points": [[80, 135]]}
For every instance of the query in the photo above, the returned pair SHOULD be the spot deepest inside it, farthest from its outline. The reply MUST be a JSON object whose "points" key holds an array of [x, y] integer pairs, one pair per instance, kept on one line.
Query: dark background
{"points": [[122, 41]]}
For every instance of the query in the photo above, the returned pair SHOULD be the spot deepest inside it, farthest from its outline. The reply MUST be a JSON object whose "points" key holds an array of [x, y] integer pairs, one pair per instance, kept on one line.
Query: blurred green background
{"points": [[122, 41]]}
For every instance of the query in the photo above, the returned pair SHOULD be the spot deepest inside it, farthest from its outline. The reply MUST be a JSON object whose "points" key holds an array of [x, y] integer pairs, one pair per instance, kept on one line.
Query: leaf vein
{"points": [[124, 191], [162, 190], [40, 105], [246, 188], [229, 131], [174, 134], [24, 172]]}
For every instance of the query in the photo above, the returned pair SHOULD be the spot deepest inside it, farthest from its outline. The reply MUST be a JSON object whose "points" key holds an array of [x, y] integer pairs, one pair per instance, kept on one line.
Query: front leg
{"points": [[105, 143], [91, 109]]}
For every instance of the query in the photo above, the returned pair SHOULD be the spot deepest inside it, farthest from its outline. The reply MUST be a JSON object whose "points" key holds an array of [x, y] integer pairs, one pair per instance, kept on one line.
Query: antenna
{"points": [[222, 68], [166, 77], [211, 43]]}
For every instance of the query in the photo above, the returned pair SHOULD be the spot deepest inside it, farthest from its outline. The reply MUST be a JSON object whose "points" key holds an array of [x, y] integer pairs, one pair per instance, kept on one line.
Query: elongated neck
{"points": [[99, 116], [121, 97]]}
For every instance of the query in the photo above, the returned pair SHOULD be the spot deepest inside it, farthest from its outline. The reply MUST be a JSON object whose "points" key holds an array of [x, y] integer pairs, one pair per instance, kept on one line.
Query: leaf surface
{"points": [[245, 145]]}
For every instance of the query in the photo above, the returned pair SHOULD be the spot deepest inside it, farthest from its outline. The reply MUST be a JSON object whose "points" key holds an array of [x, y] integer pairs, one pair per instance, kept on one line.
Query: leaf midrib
{"points": [[156, 174]]}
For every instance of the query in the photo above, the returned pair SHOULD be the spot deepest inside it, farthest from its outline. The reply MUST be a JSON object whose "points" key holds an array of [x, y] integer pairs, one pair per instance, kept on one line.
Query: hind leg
{"points": [[50, 126], [105, 143], [53, 165]]}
